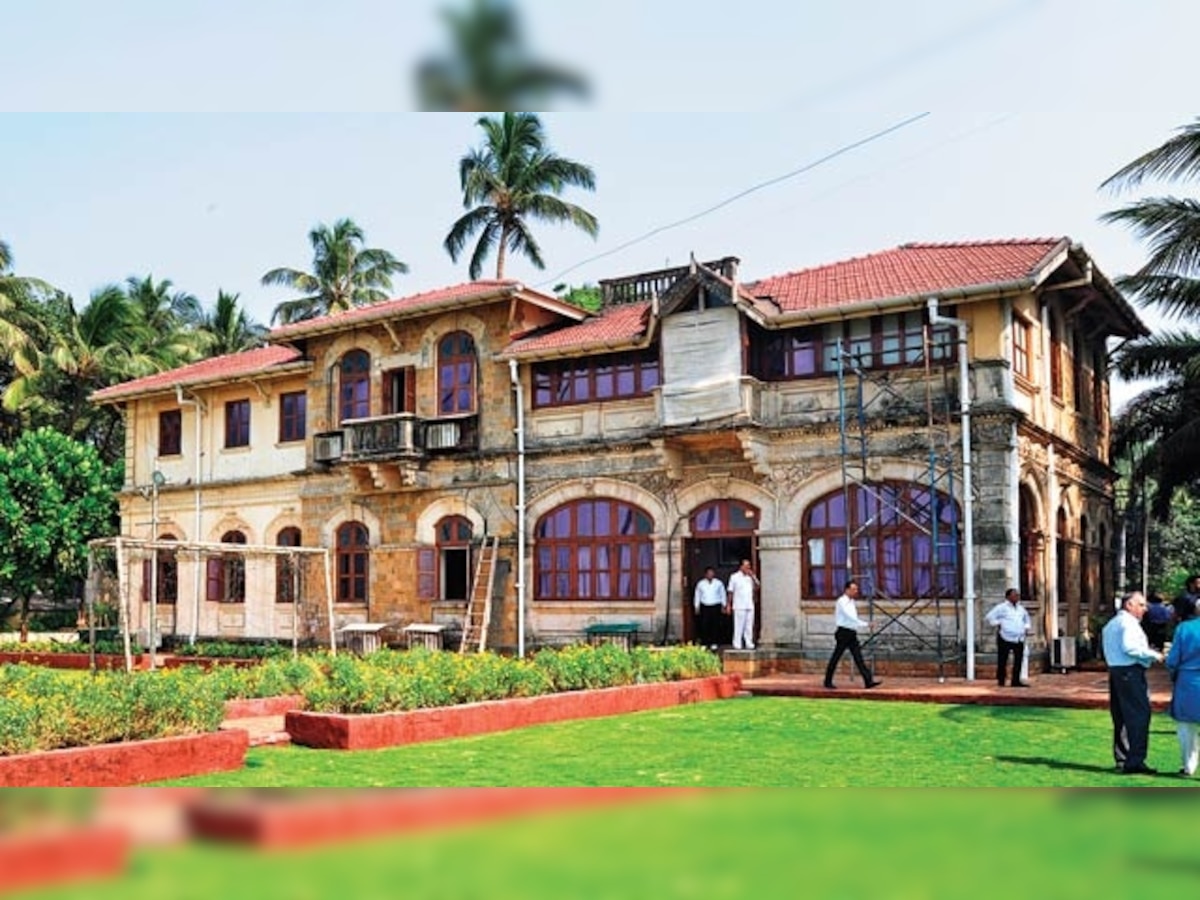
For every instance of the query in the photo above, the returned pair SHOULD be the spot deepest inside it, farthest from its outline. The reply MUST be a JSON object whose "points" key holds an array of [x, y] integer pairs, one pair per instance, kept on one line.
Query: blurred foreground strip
{"points": [[276, 818]]}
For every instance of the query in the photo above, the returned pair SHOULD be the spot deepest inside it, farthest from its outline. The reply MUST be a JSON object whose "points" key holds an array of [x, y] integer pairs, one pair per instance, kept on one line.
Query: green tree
{"points": [[56, 494], [344, 274], [1164, 420], [228, 328], [512, 178], [585, 296], [488, 66]]}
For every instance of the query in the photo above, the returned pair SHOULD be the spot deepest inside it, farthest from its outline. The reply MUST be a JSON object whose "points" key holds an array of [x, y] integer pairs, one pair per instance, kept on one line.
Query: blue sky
{"points": [[199, 141]]}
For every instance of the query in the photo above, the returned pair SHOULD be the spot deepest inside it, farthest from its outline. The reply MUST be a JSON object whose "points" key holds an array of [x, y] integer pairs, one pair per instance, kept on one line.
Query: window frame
{"points": [[1022, 348], [293, 424], [462, 367], [620, 376], [286, 566], [578, 549], [352, 563], [354, 385], [237, 423], [225, 576], [170, 432]]}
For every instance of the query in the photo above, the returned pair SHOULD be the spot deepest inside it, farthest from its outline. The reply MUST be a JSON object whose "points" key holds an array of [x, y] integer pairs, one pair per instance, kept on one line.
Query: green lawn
{"points": [[759, 742], [759, 844]]}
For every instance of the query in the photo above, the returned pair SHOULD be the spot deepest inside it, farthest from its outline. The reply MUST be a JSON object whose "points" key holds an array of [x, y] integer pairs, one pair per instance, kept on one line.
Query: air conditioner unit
{"points": [[442, 435], [327, 447]]}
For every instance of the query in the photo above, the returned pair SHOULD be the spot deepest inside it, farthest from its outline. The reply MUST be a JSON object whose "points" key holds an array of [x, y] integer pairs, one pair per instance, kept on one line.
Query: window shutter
{"points": [[389, 392], [216, 577], [426, 573], [146, 581], [410, 389]]}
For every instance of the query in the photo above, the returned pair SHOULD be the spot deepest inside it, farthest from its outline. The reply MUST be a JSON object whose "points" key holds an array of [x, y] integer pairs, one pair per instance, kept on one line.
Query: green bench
{"points": [[623, 634]]}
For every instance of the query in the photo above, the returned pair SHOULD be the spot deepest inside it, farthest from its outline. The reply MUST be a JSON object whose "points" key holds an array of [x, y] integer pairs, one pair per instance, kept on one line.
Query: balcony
{"points": [[400, 437]]}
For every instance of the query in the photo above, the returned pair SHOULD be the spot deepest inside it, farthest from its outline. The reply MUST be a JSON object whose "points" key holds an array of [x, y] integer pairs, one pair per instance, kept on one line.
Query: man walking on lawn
{"points": [[845, 637], [1011, 621]]}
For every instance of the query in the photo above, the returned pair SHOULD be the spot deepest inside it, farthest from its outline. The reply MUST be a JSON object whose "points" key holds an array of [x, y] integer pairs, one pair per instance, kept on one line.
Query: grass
{"points": [[758, 742], [761, 844]]}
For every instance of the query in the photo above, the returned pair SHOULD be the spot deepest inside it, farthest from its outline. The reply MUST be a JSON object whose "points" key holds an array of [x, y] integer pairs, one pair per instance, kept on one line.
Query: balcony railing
{"points": [[396, 436]]}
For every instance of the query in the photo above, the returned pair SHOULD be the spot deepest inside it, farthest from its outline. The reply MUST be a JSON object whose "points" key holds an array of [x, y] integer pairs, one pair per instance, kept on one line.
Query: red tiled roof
{"points": [[218, 368], [616, 326], [453, 294], [908, 270]]}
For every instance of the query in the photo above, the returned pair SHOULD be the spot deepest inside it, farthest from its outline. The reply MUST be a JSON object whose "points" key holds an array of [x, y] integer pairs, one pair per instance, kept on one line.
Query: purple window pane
{"points": [[584, 559], [645, 586], [562, 389], [818, 582], [603, 519], [624, 584], [605, 385], [650, 375], [624, 557], [816, 518], [580, 390], [891, 581], [891, 551], [922, 581], [545, 559], [562, 559], [708, 518], [837, 552], [626, 382], [544, 582], [585, 584], [603, 557], [645, 556], [562, 584], [583, 520], [624, 520], [837, 512], [604, 585], [804, 360], [463, 400], [562, 522], [922, 549]]}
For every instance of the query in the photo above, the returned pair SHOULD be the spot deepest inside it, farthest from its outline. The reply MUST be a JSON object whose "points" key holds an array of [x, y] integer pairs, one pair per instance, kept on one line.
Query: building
{"points": [[808, 421]]}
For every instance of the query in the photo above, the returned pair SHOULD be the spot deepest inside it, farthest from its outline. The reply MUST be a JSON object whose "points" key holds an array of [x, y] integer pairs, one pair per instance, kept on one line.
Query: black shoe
{"points": [[873, 684], [1021, 684], [830, 687], [1140, 770]]}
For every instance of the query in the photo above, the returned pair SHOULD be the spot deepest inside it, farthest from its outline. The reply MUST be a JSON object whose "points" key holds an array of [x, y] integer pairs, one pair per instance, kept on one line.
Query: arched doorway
{"points": [[1032, 545], [724, 532]]}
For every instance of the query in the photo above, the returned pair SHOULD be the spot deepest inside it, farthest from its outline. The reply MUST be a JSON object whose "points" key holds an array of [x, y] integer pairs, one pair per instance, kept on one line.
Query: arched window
{"points": [[454, 557], [904, 539], [456, 374], [168, 575], [354, 386], [598, 549], [353, 562], [724, 517], [226, 581], [287, 569]]}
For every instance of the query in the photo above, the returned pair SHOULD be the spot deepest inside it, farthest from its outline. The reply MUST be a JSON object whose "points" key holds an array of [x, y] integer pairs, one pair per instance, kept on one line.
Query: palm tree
{"points": [[227, 328], [513, 177], [345, 274], [170, 319], [488, 65], [1165, 420]]}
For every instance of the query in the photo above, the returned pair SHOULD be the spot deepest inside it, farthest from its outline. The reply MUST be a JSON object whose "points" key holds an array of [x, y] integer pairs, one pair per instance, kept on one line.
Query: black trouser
{"points": [[846, 639], [1129, 704], [710, 624], [1003, 649]]}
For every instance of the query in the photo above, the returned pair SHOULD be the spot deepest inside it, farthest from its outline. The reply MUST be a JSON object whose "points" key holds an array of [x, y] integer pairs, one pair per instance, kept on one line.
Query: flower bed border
{"points": [[255, 707], [62, 855], [323, 817], [132, 762], [74, 660], [337, 731]]}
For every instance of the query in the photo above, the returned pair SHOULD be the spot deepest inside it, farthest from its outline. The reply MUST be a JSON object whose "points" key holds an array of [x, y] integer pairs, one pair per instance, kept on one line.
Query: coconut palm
{"points": [[1164, 421], [488, 65], [512, 178], [227, 328], [345, 274], [170, 336]]}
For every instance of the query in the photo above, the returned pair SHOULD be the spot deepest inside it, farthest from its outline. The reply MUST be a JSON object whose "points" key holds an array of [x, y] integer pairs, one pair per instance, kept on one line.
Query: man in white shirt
{"points": [[1128, 655], [847, 623], [709, 602], [1012, 623], [741, 598]]}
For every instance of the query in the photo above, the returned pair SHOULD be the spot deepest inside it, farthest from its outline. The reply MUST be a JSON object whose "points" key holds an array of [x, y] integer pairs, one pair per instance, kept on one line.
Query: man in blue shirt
{"points": [[1128, 655]]}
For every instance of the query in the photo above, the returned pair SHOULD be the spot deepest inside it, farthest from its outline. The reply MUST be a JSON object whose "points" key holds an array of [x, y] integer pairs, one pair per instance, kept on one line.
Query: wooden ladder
{"points": [[479, 605]]}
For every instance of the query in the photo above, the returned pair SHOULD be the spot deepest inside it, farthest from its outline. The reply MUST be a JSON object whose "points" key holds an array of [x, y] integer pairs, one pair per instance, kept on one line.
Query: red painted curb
{"points": [[55, 857], [73, 660], [134, 762], [325, 816], [334, 731], [262, 706]]}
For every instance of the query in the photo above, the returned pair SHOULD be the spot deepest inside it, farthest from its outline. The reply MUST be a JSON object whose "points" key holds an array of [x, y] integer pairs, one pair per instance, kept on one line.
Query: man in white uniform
{"points": [[742, 584], [709, 602]]}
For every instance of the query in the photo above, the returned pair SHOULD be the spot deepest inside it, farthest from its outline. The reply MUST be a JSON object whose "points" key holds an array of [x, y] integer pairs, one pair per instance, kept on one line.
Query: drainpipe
{"points": [[964, 399], [197, 536], [515, 376]]}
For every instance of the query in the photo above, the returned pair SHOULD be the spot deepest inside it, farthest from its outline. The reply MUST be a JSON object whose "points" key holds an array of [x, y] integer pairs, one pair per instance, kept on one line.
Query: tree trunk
{"points": [[501, 253]]}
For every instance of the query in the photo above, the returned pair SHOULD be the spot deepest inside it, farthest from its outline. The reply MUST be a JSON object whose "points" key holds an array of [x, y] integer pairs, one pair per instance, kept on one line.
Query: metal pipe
{"points": [[198, 405], [515, 376], [964, 397]]}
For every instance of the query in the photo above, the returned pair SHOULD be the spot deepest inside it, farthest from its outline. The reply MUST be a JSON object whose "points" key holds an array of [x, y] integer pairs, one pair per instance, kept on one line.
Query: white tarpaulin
{"points": [[702, 375]]}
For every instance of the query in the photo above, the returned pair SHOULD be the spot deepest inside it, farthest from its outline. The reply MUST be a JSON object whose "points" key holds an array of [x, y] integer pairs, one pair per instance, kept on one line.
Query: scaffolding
{"points": [[918, 396]]}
